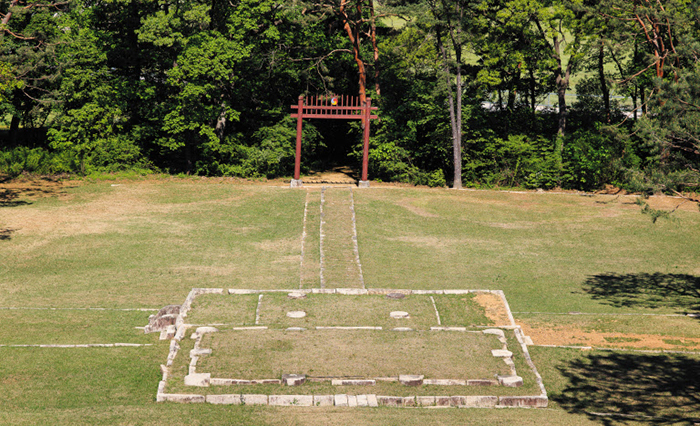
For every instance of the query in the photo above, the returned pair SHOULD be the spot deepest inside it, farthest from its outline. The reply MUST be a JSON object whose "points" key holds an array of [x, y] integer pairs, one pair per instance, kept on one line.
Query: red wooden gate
{"points": [[336, 107]]}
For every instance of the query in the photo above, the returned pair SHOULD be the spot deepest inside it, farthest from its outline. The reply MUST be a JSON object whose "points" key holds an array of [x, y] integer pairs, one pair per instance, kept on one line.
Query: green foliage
{"points": [[589, 161], [517, 160], [23, 159]]}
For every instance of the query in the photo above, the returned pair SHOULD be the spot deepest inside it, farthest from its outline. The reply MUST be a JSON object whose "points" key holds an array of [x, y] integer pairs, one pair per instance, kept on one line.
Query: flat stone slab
{"points": [[501, 353], [494, 331], [296, 314], [445, 382], [425, 401], [235, 382], [411, 379], [395, 295], [402, 329], [297, 295], [341, 400], [199, 352], [198, 379], [372, 401], [362, 401], [323, 400], [510, 381], [353, 382], [295, 329], [480, 401], [293, 379], [180, 397], [352, 400], [234, 399], [351, 291], [254, 399], [292, 400], [399, 314], [203, 330], [443, 401], [523, 401]]}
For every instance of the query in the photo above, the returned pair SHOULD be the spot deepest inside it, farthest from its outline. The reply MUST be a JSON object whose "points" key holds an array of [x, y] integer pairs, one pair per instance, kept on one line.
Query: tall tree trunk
{"points": [[456, 139], [354, 36], [562, 83], [375, 46], [603, 82]]}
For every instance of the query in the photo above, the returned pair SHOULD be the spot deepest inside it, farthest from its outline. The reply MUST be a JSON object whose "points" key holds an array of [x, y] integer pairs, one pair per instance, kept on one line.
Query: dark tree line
{"points": [[470, 92]]}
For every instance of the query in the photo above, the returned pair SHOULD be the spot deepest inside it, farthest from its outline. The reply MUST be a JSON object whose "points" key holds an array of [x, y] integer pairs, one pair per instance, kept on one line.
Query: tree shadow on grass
{"points": [[6, 233], [677, 291], [8, 198], [616, 388]]}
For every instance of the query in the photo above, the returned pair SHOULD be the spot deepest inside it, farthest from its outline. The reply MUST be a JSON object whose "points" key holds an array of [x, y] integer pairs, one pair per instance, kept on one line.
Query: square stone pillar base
{"points": [[295, 183], [363, 184]]}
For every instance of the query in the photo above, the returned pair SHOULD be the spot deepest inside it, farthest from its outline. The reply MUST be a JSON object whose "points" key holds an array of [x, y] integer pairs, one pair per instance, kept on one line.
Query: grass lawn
{"points": [[146, 243]]}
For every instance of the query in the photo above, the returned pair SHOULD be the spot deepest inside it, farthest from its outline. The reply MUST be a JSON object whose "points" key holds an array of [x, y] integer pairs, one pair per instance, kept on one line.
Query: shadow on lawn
{"points": [[615, 388], [679, 291]]}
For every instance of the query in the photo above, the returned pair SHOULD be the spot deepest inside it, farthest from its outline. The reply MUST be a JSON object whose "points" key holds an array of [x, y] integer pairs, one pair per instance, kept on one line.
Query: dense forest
{"points": [[483, 93]]}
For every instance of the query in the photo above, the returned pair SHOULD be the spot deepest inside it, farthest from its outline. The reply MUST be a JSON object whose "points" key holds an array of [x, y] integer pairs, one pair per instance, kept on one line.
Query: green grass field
{"points": [[143, 244]]}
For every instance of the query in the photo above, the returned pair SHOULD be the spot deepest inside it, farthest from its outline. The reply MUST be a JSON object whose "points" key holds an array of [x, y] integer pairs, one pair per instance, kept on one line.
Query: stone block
{"points": [[352, 400], [501, 353], [293, 379], [168, 333], [295, 329], [297, 295], [408, 401], [353, 382], [443, 401], [480, 401], [390, 401], [341, 400], [242, 291], [445, 382], [524, 401], [402, 329], [458, 401], [254, 399], [292, 400], [457, 291], [411, 379], [510, 381], [323, 290], [399, 314], [494, 331], [199, 352], [351, 291], [323, 400], [203, 330], [199, 379], [182, 398], [362, 401], [372, 400], [425, 401], [234, 399], [363, 184]]}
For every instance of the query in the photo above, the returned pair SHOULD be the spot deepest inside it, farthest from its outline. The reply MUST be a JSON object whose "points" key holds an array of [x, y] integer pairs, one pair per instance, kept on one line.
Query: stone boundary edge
{"points": [[539, 401]]}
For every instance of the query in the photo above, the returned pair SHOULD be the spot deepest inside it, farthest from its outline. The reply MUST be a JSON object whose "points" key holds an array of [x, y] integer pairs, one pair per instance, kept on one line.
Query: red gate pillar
{"points": [[297, 157], [366, 111]]}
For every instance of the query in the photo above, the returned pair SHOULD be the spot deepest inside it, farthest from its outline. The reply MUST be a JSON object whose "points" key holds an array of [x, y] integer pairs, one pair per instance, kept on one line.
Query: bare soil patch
{"points": [[494, 308], [567, 335]]}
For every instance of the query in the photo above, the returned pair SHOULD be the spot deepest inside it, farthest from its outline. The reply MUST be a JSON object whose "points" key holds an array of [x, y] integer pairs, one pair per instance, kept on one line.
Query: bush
{"points": [[34, 160], [589, 161]]}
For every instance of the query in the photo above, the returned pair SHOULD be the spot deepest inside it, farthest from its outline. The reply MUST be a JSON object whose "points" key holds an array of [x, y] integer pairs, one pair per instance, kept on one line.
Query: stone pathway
{"points": [[330, 252]]}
